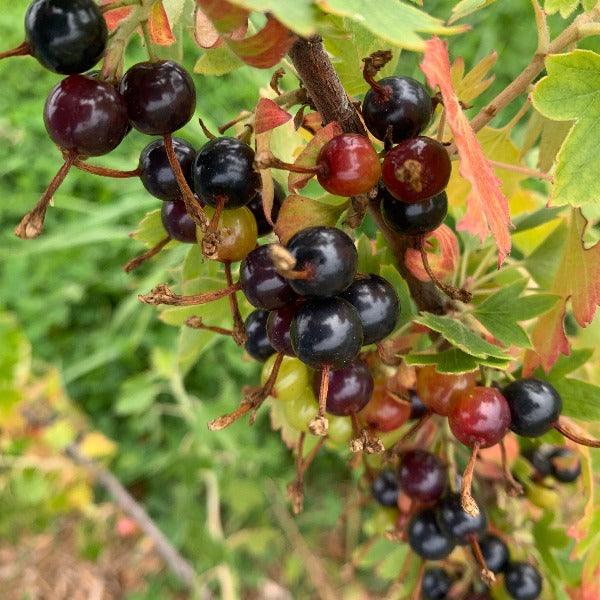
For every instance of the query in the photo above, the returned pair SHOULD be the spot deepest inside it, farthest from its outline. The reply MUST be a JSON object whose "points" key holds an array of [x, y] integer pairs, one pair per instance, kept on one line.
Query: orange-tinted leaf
{"points": [[308, 156], [114, 17], [577, 279], [225, 17], [487, 207], [443, 258], [266, 48], [159, 26], [269, 115], [205, 33]]}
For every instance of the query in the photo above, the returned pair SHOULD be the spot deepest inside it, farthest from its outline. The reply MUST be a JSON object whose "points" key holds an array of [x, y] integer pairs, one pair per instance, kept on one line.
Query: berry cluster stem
{"points": [[105, 171], [134, 263], [22, 49], [239, 331], [564, 426], [320, 425], [466, 499], [162, 294]]}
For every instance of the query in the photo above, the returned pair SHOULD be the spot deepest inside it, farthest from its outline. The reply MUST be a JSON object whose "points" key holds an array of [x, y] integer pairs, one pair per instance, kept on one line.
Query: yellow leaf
{"points": [[59, 435], [97, 445], [79, 496]]}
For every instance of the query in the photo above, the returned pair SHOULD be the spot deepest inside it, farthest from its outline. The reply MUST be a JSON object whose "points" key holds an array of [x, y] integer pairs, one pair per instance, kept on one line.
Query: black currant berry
{"points": [[262, 285], [378, 306], [160, 96], [328, 257], [560, 462], [85, 116], [66, 36], [155, 170], [256, 207], [427, 539], [224, 171], [534, 406], [456, 522], [417, 218], [417, 408], [522, 581], [349, 390], [401, 103], [422, 476], [279, 325], [436, 584], [177, 223], [257, 343], [495, 553], [385, 488], [327, 332]]}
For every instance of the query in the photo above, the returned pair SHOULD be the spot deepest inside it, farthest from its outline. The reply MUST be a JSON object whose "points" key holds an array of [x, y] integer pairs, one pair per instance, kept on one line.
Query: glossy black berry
{"points": [[329, 258], [155, 170], [327, 331], [456, 522], [523, 581], [422, 476], [85, 116], [279, 325], [224, 170], [177, 223], [417, 218], [257, 343], [160, 96], [66, 36], [495, 553], [385, 488], [427, 539], [256, 207], [558, 461], [349, 390], [378, 306], [400, 102], [534, 406], [417, 408], [262, 285], [436, 584]]}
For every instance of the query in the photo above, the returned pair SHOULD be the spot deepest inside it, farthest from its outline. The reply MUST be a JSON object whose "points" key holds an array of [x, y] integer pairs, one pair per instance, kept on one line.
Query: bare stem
{"points": [[564, 426], [396, 449], [466, 499], [134, 263], [198, 323], [162, 294], [105, 171], [320, 425], [522, 170], [22, 49], [513, 487], [487, 575], [239, 330]]}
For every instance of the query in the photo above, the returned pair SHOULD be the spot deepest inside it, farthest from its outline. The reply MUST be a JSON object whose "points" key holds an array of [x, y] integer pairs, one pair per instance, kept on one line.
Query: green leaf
{"points": [[217, 61], [460, 336], [150, 230], [407, 307], [137, 394], [535, 219], [453, 361], [581, 400], [571, 91], [393, 21], [500, 313], [543, 262], [349, 44], [467, 7], [567, 7], [567, 364]]}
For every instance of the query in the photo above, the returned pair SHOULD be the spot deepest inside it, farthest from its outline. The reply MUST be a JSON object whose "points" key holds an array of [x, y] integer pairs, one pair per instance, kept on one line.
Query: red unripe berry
{"points": [[416, 169], [438, 391], [384, 412], [349, 165], [480, 416]]}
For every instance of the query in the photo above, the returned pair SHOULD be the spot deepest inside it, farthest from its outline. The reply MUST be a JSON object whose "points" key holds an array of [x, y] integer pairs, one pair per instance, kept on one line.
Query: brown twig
{"points": [[396, 449], [197, 323], [320, 425], [239, 330], [564, 426], [487, 575], [513, 487], [134, 263], [23, 49], [162, 294], [466, 498], [105, 171]]}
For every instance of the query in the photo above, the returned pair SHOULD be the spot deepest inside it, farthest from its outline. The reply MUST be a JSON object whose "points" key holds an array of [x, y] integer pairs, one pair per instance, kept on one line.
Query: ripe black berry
{"points": [[417, 408], [495, 553], [426, 538], [456, 522], [413, 219], [66, 36], [177, 223], [422, 476], [377, 303], [327, 332], [263, 286], [85, 116], [156, 173], [385, 488], [436, 584], [534, 406], [256, 207], [279, 325], [349, 390], [257, 343], [160, 96], [523, 581], [560, 462], [224, 170], [329, 258], [401, 103]]}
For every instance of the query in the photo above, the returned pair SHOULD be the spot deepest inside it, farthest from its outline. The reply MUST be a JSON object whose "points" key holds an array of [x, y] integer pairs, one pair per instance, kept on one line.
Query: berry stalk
{"points": [[162, 294], [22, 49], [134, 263]]}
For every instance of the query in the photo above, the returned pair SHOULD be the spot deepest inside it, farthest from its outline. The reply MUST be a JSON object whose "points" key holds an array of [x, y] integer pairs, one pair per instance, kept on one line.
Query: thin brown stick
{"points": [[487, 575], [179, 566], [241, 117], [522, 170], [105, 171], [239, 330], [416, 593], [134, 263], [197, 323], [466, 499], [32, 223], [564, 426], [513, 487], [396, 449], [23, 49], [451, 291], [320, 425], [162, 294], [268, 161]]}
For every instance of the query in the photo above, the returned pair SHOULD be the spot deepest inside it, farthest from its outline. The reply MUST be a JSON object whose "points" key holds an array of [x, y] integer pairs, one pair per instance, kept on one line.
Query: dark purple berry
{"points": [[422, 476], [177, 223], [256, 207], [427, 539], [385, 488], [257, 343], [279, 325]]}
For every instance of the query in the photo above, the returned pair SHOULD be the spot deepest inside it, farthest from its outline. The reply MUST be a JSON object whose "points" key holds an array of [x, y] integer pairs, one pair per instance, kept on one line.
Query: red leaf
{"points": [[206, 34], [308, 156], [269, 115], [159, 26], [115, 16], [487, 207], [442, 261], [578, 279], [266, 48], [226, 17]]}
